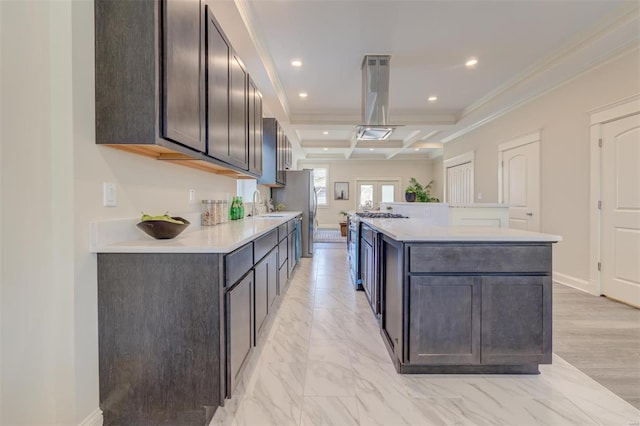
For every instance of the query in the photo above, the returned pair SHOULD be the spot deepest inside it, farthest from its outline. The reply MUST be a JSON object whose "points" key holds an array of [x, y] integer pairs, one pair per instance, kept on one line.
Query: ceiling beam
{"points": [[353, 143]]}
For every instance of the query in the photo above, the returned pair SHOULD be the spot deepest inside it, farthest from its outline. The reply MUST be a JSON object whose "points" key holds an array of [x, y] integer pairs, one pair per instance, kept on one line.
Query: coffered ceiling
{"points": [[523, 48]]}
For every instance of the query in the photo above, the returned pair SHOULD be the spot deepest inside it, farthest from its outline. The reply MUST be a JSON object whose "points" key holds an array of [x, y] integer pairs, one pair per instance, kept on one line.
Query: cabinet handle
{"points": [[529, 214]]}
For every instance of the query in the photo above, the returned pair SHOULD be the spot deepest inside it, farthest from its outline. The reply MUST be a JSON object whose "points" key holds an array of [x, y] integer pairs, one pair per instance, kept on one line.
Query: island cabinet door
{"points": [[516, 319], [444, 320]]}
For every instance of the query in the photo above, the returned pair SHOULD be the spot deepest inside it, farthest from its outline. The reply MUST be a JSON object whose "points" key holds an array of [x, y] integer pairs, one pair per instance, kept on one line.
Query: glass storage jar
{"points": [[209, 212], [224, 206]]}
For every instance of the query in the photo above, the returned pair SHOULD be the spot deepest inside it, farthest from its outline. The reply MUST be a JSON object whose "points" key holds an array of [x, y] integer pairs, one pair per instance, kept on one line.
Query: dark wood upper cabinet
{"points": [[217, 91], [169, 86], [282, 142], [255, 129], [238, 129], [269, 153], [184, 78]]}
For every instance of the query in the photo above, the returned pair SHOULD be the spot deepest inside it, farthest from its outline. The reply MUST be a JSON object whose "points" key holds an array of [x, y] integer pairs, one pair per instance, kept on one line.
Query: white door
{"points": [[520, 168], [460, 184], [620, 216], [372, 192]]}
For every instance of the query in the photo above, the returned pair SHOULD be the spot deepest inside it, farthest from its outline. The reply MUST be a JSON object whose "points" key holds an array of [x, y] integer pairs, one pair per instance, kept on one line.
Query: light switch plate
{"points": [[192, 195], [109, 194]]}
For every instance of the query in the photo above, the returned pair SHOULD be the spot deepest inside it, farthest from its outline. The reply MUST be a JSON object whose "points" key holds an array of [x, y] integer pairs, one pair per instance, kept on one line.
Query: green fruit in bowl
{"points": [[165, 217]]}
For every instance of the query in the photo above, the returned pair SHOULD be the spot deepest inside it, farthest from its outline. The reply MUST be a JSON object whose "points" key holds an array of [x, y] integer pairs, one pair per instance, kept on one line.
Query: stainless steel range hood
{"points": [[375, 98]]}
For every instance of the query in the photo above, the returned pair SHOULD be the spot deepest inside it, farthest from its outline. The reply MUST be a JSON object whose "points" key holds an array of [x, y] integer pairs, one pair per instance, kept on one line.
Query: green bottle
{"points": [[240, 208], [233, 210]]}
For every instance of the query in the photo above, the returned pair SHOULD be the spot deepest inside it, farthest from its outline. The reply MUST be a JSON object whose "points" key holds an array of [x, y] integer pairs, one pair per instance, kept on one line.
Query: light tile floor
{"points": [[322, 362]]}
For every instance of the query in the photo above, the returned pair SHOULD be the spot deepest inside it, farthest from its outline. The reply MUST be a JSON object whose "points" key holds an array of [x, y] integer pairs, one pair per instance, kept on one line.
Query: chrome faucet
{"points": [[254, 209]]}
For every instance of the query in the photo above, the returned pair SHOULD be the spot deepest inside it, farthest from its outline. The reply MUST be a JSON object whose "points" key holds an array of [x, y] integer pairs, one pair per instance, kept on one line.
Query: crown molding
{"points": [[520, 102], [625, 15], [247, 15]]}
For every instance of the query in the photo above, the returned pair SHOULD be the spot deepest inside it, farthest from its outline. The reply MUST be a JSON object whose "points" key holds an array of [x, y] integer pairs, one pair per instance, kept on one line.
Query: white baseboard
{"points": [[577, 283], [93, 419]]}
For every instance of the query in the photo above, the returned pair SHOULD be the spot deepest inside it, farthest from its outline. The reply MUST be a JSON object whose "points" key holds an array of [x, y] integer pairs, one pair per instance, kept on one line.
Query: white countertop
{"points": [[416, 230], [122, 236], [479, 205]]}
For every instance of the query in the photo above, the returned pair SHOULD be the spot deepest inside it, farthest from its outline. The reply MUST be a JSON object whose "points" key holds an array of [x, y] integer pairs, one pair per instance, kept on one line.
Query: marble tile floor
{"points": [[322, 361]]}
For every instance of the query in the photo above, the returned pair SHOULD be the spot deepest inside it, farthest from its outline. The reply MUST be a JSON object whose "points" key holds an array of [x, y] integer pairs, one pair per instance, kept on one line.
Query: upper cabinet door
{"points": [[238, 140], [184, 80], [255, 130], [217, 92]]}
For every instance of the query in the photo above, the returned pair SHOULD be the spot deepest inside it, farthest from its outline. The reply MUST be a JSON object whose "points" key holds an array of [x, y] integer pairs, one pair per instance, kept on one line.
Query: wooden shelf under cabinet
{"points": [[166, 154]]}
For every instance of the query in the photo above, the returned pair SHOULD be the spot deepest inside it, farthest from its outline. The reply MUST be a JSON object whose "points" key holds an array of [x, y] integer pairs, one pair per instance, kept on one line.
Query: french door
{"points": [[371, 192]]}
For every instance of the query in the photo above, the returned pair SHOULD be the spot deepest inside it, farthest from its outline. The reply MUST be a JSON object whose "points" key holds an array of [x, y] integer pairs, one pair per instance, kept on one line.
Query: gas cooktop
{"points": [[380, 215]]}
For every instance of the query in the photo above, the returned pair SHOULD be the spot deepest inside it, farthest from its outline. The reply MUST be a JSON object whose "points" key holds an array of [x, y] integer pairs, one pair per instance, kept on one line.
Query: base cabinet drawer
{"points": [[238, 263], [478, 258], [264, 244]]}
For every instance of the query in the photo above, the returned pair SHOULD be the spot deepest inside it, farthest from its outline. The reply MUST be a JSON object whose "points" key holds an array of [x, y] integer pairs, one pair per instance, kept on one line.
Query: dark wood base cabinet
{"points": [[466, 307], [159, 338], [176, 330]]}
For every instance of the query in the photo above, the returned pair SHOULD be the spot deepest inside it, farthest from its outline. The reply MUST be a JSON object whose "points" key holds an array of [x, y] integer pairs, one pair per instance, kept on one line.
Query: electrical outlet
{"points": [[479, 195], [192, 195], [109, 194]]}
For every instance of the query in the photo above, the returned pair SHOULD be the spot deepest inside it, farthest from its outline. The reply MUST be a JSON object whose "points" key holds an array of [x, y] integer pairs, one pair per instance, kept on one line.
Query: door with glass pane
{"points": [[373, 192]]}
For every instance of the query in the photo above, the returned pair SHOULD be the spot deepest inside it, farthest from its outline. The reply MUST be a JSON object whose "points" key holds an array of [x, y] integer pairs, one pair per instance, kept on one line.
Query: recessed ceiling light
{"points": [[326, 149], [325, 133], [432, 98], [303, 94], [472, 62], [370, 149], [417, 149], [296, 63]]}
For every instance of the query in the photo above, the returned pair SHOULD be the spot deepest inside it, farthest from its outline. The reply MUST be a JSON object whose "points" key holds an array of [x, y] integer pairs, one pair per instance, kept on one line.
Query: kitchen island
{"points": [[178, 319], [462, 299]]}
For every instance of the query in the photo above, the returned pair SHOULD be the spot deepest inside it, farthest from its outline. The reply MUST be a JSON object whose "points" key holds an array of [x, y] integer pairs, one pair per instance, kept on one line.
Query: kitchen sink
{"points": [[267, 216]]}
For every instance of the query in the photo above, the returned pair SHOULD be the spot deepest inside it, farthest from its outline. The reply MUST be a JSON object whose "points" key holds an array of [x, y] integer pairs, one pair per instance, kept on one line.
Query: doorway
{"points": [[519, 181], [372, 192], [620, 210], [458, 179]]}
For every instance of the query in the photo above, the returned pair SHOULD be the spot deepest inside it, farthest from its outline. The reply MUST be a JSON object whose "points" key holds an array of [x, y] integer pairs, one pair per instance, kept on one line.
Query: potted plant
{"points": [[343, 223], [417, 192], [410, 194]]}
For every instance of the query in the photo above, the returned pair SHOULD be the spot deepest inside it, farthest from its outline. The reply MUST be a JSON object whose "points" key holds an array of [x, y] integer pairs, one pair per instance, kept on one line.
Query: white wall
{"points": [[349, 170], [1, 239], [51, 179], [563, 117]]}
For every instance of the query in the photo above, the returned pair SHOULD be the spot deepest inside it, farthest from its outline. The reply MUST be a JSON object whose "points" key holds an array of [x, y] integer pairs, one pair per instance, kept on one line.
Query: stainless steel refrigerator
{"points": [[299, 194]]}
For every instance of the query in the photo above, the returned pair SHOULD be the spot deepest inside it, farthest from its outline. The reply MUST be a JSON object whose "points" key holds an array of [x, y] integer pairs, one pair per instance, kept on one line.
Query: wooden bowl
{"points": [[163, 230]]}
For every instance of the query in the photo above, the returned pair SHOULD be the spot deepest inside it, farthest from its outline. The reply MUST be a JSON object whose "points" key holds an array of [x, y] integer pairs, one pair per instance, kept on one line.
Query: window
{"points": [[245, 189], [320, 183]]}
